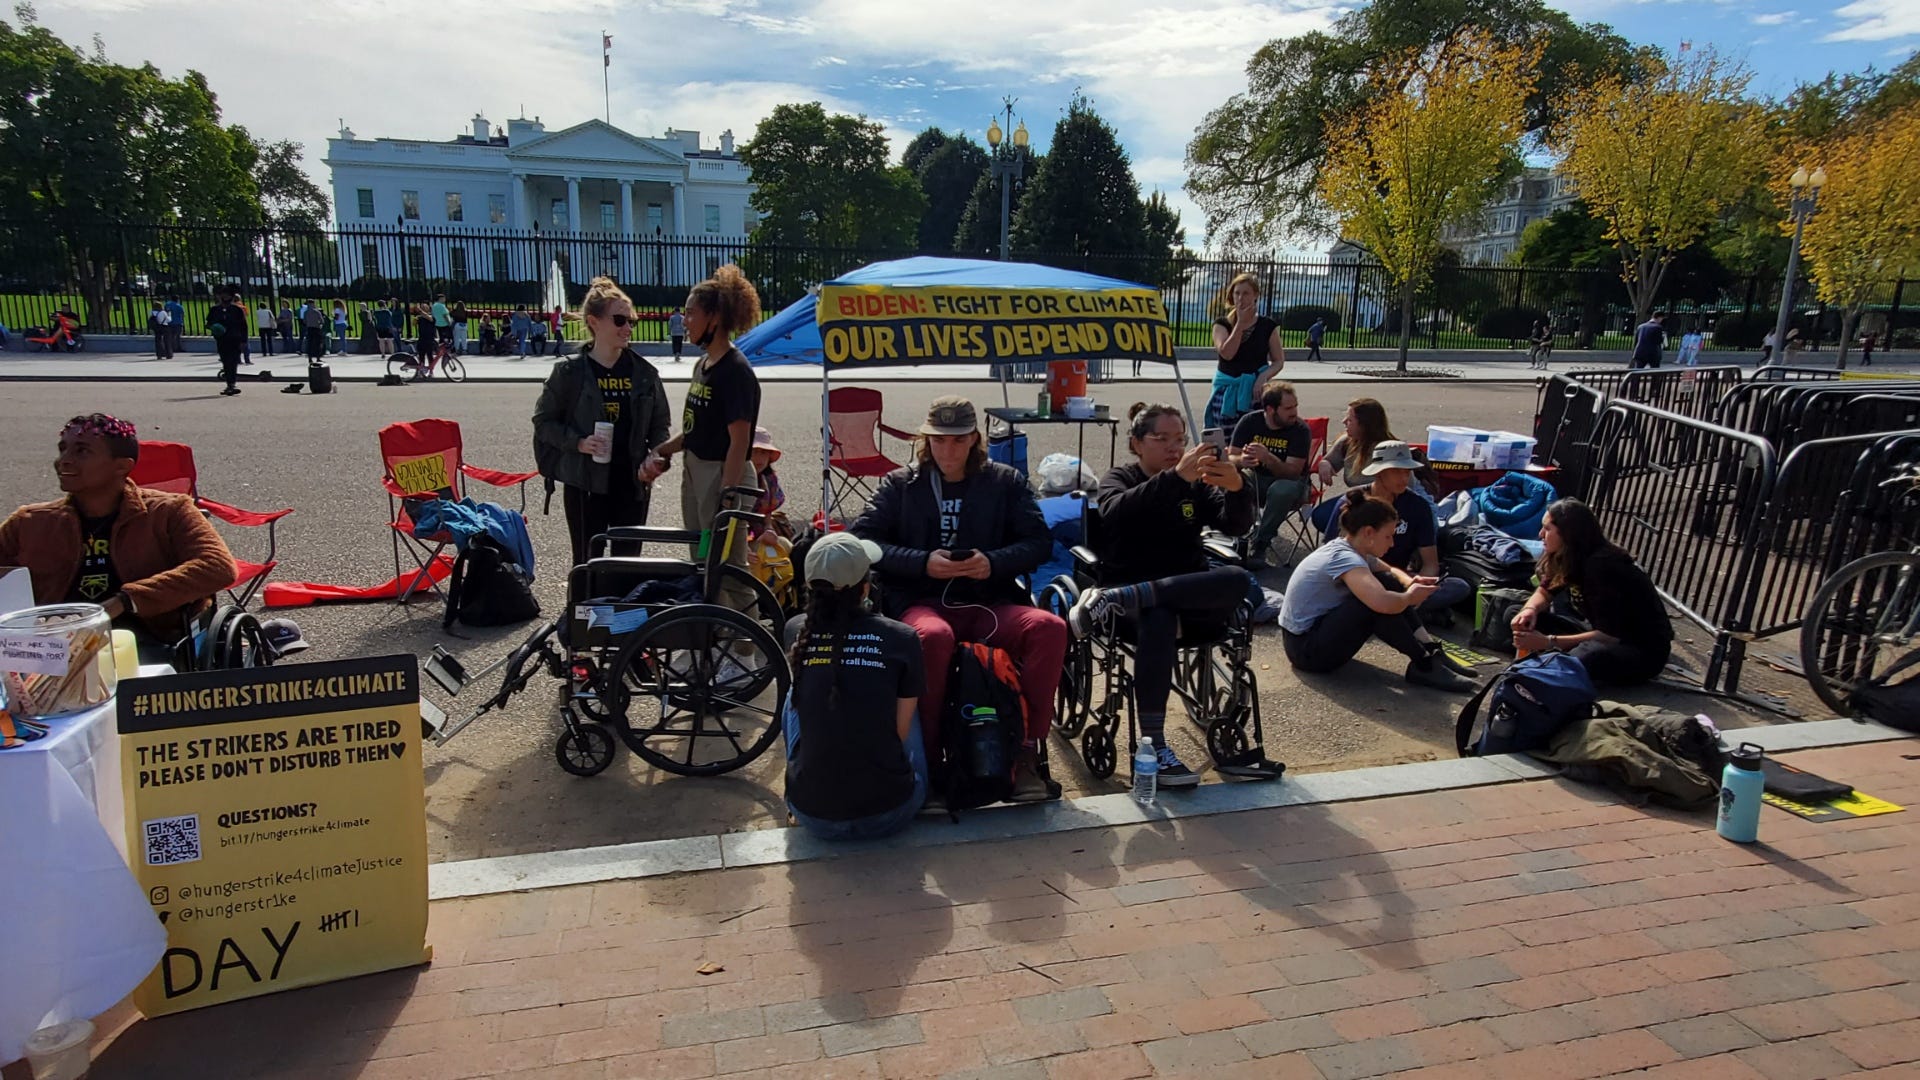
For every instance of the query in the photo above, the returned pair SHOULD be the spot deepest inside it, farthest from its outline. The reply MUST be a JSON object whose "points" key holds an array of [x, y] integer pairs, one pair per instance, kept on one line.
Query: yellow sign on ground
{"points": [[1847, 806], [881, 324], [277, 819]]}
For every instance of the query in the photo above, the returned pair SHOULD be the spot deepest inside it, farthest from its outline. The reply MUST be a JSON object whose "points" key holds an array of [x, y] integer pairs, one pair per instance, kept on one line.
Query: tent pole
{"points": [[1193, 422], [826, 454], [1005, 401]]}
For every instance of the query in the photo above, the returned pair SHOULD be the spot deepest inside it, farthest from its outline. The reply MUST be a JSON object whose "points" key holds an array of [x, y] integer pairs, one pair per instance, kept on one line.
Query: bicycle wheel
{"points": [[698, 690], [399, 365], [453, 369], [1860, 628]]}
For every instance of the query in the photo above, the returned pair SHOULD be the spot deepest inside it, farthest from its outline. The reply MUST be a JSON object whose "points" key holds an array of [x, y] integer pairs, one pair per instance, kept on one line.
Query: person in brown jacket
{"points": [[148, 557]]}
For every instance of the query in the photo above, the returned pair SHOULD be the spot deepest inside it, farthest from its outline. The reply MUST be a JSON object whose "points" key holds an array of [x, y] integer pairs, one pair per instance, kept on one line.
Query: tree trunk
{"points": [[1849, 320], [1406, 323]]}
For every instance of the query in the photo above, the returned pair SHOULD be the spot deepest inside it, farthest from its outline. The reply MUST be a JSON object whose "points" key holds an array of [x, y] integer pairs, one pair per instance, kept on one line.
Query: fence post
{"points": [[126, 275], [1353, 309]]}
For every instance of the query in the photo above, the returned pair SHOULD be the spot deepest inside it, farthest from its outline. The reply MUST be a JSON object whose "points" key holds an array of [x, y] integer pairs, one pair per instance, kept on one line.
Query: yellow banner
{"points": [[277, 819], [879, 324]]}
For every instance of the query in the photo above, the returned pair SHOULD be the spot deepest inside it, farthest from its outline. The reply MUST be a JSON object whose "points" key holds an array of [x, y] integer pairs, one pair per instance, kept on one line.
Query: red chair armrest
{"points": [[393, 489], [233, 515], [495, 476], [897, 433]]}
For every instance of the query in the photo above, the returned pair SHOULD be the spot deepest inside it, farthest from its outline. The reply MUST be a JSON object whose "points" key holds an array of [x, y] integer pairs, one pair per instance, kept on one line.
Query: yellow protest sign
{"points": [[422, 475], [1851, 805], [881, 324], [277, 819]]}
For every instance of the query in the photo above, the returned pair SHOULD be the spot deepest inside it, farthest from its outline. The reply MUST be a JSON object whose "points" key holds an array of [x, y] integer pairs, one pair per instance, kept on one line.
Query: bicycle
{"points": [[444, 360], [1858, 641]]}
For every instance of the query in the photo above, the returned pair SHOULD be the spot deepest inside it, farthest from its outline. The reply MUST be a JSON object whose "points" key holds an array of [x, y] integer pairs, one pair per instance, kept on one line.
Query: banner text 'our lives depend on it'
{"points": [[874, 325]]}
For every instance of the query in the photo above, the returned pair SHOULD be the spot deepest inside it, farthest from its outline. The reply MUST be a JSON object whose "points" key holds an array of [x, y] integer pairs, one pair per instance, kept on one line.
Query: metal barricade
{"points": [[1688, 391], [1826, 411], [1784, 373], [1565, 412], [1683, 497]]}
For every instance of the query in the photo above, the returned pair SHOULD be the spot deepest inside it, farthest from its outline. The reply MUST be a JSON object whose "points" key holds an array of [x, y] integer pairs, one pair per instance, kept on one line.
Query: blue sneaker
{"points": [[1094, 608], [1174, 774]]}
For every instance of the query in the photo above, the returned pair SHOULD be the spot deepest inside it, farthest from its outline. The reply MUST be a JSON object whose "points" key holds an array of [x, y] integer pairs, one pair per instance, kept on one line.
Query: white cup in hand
{"points": [[603, 438]]}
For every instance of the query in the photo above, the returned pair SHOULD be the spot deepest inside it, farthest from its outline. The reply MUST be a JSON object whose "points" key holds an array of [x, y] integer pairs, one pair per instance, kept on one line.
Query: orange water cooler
{"points": [[1065, 379]]}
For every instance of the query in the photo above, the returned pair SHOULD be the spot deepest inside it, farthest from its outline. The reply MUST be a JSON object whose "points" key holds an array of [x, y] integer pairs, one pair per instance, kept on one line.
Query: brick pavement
{"points": [[1526, 930]]}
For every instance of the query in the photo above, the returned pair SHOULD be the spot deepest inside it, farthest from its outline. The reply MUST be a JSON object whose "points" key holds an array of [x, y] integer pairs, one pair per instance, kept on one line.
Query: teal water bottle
{"points": [[1741, 785]]}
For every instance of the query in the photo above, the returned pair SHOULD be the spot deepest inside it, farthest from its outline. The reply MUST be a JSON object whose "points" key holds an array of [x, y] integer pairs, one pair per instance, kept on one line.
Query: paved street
{"points": [[496, 790], [1535, 929]]}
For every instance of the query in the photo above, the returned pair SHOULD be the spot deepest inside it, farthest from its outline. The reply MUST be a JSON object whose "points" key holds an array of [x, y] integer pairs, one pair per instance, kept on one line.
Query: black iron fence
{"points": [[109, 273]]}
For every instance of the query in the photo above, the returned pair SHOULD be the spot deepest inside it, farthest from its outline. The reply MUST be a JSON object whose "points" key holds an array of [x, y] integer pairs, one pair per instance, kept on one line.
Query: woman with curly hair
{"points": [[1594, 603]]}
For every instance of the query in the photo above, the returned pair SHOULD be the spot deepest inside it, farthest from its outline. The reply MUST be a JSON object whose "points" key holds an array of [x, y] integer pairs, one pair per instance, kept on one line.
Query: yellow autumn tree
{"points": [[1867, 231], [1429, 150], [1660, 160]]}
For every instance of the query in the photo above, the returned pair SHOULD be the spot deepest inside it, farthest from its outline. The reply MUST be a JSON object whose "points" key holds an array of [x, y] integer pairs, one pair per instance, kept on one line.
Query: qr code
{"points": [[173, 840]]}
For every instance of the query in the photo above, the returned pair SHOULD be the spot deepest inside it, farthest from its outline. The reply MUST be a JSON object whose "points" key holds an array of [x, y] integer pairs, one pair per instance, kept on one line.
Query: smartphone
{"points": [[960, 554], [1216, 438]]}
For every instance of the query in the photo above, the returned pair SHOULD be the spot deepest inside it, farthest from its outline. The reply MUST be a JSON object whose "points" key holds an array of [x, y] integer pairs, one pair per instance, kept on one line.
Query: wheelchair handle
{"points": [[652, 534]]}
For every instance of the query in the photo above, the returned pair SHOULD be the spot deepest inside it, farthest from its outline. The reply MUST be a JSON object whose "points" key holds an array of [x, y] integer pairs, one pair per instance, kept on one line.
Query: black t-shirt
{"points": [[952, 497], [717, 397], [616, 403], [228, 324], [1416, 529], [1292, 441], [1251, 359], [1618, 599], [849, 762], [96, 580]]}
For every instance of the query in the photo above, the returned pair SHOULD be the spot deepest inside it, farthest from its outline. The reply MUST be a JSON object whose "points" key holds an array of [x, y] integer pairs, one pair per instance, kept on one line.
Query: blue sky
{"points": [[421, 70]]}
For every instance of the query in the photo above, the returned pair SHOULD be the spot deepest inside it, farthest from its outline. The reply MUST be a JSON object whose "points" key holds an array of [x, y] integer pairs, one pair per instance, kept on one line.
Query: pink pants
{"points": [[1037, 639]]}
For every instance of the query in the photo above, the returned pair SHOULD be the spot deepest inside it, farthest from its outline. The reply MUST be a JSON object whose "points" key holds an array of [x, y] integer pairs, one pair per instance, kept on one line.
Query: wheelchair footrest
{"points": [[1250, 765]]}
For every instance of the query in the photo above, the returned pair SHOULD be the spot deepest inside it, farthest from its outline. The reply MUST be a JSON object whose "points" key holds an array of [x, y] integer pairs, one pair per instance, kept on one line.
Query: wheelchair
{"points": [[646, 650], [1212, 676], [223, 637]]}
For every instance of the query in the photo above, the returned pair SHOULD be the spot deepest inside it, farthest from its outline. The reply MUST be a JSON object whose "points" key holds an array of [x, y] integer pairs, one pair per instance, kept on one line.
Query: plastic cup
{"points": [[126, 655], [604, 430], [61, 1051]]}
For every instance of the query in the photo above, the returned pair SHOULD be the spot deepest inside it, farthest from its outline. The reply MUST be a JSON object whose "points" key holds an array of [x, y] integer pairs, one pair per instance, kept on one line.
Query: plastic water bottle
{"points": [[1741, 785], [1146, 772]]}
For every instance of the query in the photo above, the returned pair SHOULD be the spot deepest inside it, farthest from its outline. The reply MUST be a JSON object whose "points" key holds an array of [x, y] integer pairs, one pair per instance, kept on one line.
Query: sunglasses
{"points": [[622, 321]]}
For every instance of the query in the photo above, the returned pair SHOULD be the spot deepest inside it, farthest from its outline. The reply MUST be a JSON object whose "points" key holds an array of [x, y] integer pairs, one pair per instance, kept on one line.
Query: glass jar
{"points": [[57, 659]]}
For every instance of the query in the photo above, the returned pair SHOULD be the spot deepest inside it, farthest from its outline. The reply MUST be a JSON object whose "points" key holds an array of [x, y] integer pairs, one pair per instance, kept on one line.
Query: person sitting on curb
{"points": [[1417, 536], [1274, 444], [1344, 593], [149, 558], [1594, 603], [1153, 567], [856, 759], [957, 531]]}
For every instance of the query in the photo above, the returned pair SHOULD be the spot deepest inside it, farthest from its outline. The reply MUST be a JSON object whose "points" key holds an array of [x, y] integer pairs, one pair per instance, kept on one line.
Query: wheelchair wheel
{"points": [[1097, 750], [698, 690], [1216, 685], [1226, 737], [1073, 698], [584, 751], [233, 640]]}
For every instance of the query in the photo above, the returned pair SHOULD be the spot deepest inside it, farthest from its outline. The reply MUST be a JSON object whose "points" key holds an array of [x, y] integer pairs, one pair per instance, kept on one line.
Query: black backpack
{"points": [[1530, 702], [487, 588], [985, 723]]}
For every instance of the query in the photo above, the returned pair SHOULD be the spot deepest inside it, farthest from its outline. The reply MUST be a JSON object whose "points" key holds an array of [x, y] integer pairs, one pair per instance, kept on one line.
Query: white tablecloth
{"points": [[76, 932]]}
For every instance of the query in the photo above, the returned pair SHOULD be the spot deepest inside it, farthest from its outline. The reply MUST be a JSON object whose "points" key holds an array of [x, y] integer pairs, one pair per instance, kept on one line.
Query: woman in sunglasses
{"points": [[602, 413]]}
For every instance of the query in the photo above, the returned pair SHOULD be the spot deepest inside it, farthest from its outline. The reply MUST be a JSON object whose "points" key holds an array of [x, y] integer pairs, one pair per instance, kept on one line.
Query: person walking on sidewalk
{"points": [[314, 322], [677, 330], [263, 324], [522, 328], [283, 324], [161, 324], [176, 324], [1315, 335], [227, 322], [1648, 340]]}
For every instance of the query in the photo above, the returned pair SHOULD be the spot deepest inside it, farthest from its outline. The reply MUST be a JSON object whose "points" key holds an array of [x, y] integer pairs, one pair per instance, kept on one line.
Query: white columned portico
{"points": [[626, 208], [679, 209], [573, 204], [522, 209]]}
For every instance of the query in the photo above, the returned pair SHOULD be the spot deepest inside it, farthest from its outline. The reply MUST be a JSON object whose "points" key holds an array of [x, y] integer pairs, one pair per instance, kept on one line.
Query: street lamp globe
{"points": [[1819, 178], [1799, 178], [994, 134], [1020, 137]]}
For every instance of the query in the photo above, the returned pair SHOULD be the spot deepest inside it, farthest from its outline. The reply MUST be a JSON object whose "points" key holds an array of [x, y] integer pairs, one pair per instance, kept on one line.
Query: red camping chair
{"points": [[168, 466], [854, 425], [424, 459], [1305, 536]]}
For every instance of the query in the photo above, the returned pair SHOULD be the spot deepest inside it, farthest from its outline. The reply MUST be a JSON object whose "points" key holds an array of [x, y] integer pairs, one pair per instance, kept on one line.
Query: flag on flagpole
{"points": [[606, 49]]}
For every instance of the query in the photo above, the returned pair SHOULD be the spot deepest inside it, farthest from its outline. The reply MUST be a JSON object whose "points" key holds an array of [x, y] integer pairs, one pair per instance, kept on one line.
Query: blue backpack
{"points": [[1531, 701]]}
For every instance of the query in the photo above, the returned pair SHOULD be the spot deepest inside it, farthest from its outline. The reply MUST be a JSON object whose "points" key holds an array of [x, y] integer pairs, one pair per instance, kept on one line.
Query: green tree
{"points": [[289, 199], [922, 148], [824, 181], [84, 142], [1254, 163], [978, 234], [1084, 200], [947, 178]]}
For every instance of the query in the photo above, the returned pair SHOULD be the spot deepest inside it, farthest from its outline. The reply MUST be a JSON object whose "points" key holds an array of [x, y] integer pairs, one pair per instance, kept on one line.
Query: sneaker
{"points": [[1094, 608], [230, 391], [1027, 784], [1440, 656], [934, 806], [1439, 677], [1174, 774]]}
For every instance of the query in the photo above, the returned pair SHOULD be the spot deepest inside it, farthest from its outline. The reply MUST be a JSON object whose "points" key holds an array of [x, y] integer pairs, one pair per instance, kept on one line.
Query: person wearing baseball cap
{"points": [[1415, 553], [957, 531], [856, 761]]}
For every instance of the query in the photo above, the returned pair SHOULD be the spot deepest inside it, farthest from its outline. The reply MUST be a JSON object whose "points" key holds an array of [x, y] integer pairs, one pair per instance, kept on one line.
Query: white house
{"points": [[1535, 194], [590, 182]]}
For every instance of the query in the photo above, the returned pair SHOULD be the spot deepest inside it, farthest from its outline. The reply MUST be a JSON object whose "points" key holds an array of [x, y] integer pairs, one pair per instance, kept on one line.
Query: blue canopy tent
{"points": [[928, 310]]}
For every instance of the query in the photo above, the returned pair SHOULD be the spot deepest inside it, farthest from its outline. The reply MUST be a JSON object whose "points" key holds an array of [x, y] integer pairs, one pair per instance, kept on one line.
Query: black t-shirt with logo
{"points": [[616, 403], [1251, 358], [952, 497], [719, 396], [96, 580], [1291, 441], [848, 762]]}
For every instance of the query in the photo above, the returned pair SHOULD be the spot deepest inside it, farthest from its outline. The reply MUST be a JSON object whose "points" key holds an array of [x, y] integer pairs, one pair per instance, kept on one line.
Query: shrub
{"points": [[1301, 316], [1739, 330], [1515, 323]]}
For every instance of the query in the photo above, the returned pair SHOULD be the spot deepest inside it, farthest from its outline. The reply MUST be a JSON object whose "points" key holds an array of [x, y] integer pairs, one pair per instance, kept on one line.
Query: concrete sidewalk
{"points": [[1526, 929]]}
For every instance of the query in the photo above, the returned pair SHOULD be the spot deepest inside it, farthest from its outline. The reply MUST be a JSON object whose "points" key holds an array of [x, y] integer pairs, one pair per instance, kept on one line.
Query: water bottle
{"points": [[1146, 772], [989, 749], [1741, 786]]}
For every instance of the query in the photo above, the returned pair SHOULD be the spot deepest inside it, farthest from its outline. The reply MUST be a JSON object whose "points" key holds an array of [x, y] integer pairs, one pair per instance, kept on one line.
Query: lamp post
{"points": [[1007, 167], [1806, 199]]}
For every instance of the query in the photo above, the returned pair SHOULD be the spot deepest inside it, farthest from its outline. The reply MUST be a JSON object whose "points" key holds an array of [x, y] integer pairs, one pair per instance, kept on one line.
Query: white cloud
{"points": [[1877, 20], [1776, 18]]}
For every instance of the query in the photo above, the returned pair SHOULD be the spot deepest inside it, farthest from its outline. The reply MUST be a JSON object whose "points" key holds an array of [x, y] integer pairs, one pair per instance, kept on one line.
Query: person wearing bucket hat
{"points": [[856, 760], [1416, 538], [957, 531], [763, 454]]}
